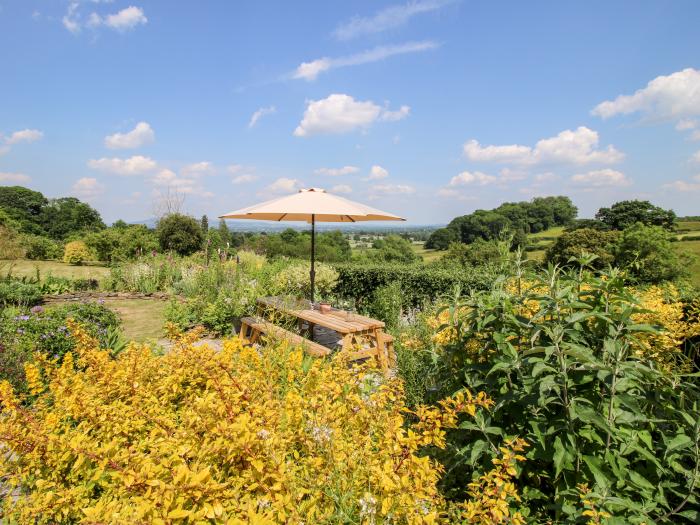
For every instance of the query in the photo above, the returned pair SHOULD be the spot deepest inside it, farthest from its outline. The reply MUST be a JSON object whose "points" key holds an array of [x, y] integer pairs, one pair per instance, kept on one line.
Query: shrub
{"points": [[180, 234], [649, 255], [10, 243], [419, 284], [574, 244], [17, 292], [624, 214], [76, 252], [574, 369], [294, 280], [237, 436], [41, 248], [387, 304]]}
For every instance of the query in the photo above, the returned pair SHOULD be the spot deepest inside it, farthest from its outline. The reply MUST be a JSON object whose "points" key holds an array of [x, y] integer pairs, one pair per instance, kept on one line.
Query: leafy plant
{"points": [[76, 252]]}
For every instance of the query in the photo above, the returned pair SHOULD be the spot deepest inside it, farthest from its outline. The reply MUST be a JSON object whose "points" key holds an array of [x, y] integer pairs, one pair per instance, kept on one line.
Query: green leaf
{"points": [[559, 456], [640, 481], [594, 465], [679, 442]]}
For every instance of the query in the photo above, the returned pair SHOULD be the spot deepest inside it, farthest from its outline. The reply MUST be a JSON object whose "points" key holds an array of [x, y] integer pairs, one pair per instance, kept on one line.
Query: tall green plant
{"points": [[557, 352]]}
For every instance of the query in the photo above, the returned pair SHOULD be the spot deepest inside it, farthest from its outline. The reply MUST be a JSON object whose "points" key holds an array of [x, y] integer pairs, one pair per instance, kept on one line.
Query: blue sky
{"points": [[427, 108]]}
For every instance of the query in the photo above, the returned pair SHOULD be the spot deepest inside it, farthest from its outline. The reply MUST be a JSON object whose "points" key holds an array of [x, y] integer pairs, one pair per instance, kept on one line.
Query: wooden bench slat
{"points": [[268, 328]]}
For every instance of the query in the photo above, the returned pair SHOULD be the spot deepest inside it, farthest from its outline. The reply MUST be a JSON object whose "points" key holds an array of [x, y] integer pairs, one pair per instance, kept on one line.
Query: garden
{"points": [[525, 391]]}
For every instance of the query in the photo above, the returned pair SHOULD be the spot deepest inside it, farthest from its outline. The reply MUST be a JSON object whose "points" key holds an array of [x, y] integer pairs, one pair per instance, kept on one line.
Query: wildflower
{"points": [[263, 434], [36, 309]]}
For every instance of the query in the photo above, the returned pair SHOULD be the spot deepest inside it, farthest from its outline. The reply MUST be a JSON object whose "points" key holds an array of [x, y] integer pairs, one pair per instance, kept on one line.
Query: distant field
{"points": [[25, 268], [692, 247], [552, 232], [428, 255]]}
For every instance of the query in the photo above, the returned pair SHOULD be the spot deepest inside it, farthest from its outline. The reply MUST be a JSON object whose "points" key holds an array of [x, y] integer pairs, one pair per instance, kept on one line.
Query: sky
{"points": [[429, 109]]}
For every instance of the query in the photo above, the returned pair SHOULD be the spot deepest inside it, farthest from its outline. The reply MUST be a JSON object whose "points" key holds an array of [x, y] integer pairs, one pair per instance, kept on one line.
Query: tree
{"points": [[478, 253], [205, 224], [393, 248], [441, 239], [65, 216], [624, 214], [23, 206], [578, 242], [647, 251], [179, 233], [76, 252], [224, 233]]}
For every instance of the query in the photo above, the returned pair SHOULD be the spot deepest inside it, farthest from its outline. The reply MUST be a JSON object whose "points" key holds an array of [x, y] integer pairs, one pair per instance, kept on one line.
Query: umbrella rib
{"points": [[282, 217], [351, 219]]}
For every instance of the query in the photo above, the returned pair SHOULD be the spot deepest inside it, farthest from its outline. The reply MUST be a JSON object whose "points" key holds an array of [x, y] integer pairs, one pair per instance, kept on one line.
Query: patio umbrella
{"points": [[311, 205]]}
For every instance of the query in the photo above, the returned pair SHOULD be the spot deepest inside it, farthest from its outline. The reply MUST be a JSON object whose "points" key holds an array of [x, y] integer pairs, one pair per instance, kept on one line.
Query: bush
{"points": [[17, 292], [387, 304], [649, 255], [10, 243], [236, 436], [294, 280], [180, 234], [419, 284], [625, 214], [575, 243], [576, 368], [41, 248], [76, 252]]}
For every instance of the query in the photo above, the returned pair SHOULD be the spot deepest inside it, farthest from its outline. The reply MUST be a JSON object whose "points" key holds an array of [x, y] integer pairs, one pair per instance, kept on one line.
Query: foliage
{"points": [[294, 280], [76, 252], [19, 292], [180, 234], [648, 253], [566, 358], [624, 214], [441, 239], [237, 436], [518, 218], [41, 248], [573, 244], [24, 333], [493, 253], [391, 248], [419, 284], [387, 304], [121, 243], [10, 243], [23, 206], [67, 216], [592, 224], [330, 246]]}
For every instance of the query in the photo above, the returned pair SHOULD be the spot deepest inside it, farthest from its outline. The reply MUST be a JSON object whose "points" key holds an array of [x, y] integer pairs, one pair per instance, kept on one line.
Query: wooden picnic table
{"points": [[362, 336]]}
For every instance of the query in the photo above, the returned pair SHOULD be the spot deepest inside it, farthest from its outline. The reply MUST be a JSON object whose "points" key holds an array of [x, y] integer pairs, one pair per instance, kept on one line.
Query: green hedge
{"points": [[418, 282]]}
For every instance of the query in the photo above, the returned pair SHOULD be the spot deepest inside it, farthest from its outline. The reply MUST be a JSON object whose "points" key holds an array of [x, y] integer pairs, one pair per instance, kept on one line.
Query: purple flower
{"points": [[37, 309], [100, 301]]}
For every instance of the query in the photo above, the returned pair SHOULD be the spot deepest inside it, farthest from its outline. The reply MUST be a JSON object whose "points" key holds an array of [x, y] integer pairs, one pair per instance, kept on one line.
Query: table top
{"points": [[337, 320]]}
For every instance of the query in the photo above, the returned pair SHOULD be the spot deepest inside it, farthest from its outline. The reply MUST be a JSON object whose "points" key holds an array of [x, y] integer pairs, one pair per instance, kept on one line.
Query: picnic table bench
{"points": [[362, 337]]}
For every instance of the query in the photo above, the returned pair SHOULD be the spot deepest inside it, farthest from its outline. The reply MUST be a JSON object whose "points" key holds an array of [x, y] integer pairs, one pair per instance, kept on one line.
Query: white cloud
{"points": [[284, 185], [376, 172], [393, 116], [340, 113], [184, 185], [601, 179], [14, 178], [341, 188], [579, 146], [197, 169], [139, 136], [71, 19], [472, 178], [544, 178], [337, 172], [87, 188], [683, 186], [389, 189], [310, 70], [261, 113], [125, 19], [136, 165], [25, 135], [696, 157], [243, 179], [686, 123], [387, 18], [664, 98], [511, 175], [451, 193]]}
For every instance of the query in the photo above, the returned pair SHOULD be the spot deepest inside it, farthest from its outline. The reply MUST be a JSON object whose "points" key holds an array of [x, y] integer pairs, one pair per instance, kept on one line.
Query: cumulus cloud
{"points": [[376, 172], [337, 172], [87, 188], [579, 146], [141, 135], [284, 185], [339, 113], [391, 189], [243, 179], [667, 97], [393, 116], [122, 21], [387, 18], [259, 114], [684, 186], [604, 178], [25, 135], [452, 193], [476, 178], [197, 169], [341, 188], [310, 70], [183, 184], [136, 165], [7, 178]]}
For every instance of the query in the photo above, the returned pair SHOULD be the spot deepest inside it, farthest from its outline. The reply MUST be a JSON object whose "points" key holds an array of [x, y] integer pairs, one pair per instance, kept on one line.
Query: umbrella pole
{"points": [[312, 274]]}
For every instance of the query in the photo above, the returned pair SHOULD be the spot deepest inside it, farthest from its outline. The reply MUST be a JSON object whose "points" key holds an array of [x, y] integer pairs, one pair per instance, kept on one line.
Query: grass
{"points": [[142, 319], [427, 255], [692, 247], [552, 232], [26, 268]]}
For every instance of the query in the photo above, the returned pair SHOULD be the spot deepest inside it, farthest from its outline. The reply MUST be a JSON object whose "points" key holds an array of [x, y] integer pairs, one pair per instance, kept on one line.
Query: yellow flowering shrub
{"points": [[76, 252], [663, 307], [236, 436]]}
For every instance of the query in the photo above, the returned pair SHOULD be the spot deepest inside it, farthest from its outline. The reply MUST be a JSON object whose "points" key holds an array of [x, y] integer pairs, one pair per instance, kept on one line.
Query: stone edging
{"points": [[81, 296]]}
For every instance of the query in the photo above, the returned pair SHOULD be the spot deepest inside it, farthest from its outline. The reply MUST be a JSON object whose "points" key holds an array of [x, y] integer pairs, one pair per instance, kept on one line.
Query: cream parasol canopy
{"points": [[311, 205]]}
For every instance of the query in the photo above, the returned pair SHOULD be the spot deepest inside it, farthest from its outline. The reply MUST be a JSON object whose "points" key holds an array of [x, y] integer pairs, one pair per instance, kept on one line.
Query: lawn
{"points": [[692, 247], [26, 268], [142, 319], [427, 255]]}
